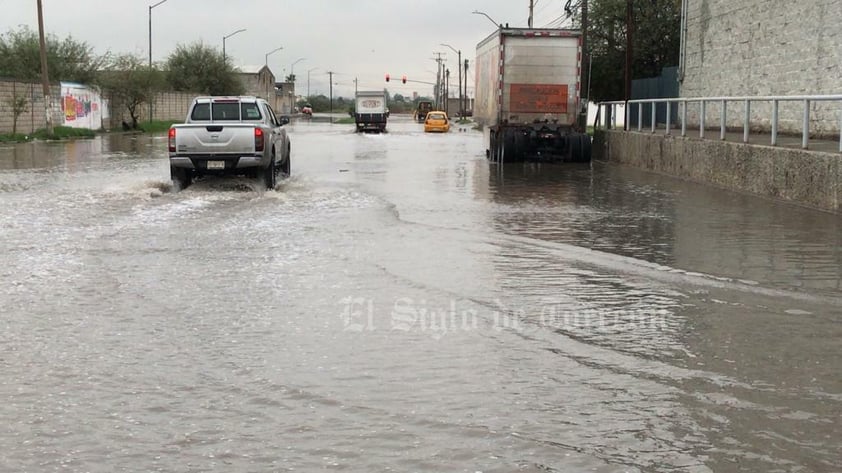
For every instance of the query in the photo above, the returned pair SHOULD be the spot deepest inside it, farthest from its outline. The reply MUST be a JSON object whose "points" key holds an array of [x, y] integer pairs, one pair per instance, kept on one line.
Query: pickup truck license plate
{"points": [[216, 164]]}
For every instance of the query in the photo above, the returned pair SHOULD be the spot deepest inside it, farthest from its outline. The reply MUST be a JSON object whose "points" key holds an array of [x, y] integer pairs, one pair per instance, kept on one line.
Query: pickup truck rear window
{"points": [[228, 111]]}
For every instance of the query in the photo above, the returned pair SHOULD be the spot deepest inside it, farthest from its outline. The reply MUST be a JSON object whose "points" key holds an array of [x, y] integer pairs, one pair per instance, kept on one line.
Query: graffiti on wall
{"points": [[81, 106]]}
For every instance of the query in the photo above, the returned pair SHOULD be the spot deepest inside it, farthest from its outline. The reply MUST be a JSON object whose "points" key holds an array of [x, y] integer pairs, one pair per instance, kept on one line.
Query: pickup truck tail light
{"points": [[258, 139], [171, 140]]}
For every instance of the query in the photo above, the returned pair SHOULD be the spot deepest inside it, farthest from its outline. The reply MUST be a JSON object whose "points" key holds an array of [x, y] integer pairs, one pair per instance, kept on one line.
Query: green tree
{"points": [[655, 42], [67, 59], [19, 105], [202, 69], [321, 103], [130, 83]]}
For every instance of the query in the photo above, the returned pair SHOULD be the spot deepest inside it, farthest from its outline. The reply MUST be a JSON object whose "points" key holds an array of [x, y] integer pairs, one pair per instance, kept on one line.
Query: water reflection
{"points": [[669, 222], [584, 206]]}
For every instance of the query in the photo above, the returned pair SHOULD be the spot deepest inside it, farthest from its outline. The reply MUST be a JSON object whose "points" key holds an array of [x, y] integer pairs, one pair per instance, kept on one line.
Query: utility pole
{"points": [[45, 76], [531, 11], [585, 80], [459, 73], [465, 96], [356, 85], [330, 73], [447, 91], [439, 79], [150, 53], [629, 35]]}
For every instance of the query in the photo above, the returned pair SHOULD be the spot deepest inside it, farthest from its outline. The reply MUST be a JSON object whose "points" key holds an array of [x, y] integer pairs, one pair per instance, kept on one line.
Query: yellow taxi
{"points": [[436, 121]]}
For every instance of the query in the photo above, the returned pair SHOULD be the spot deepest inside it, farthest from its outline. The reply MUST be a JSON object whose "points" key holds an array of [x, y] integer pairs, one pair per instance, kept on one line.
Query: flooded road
{"points": [[400, 305]]}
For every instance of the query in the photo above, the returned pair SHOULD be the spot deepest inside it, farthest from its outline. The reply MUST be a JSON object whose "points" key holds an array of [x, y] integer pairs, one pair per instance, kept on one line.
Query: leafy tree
{"points": [[67, 59], [19, 105], [655, 42], [130, 83], [321, 103], [202, 69]]}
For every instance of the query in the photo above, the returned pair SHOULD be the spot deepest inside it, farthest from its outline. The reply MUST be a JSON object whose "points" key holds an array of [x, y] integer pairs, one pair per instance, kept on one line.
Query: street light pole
{"points": [[308, 81], [226, 37], [292, 68], [266, 62], [496, 25], [150, 53], [459, 71]]}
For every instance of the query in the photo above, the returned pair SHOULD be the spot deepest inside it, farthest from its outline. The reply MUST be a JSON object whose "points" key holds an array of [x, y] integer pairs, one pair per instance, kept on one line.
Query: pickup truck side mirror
{"points": [[283, 120]]}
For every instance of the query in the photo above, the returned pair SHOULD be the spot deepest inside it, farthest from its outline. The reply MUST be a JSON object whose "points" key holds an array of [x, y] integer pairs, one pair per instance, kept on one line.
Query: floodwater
{"points": [[401, 305]]}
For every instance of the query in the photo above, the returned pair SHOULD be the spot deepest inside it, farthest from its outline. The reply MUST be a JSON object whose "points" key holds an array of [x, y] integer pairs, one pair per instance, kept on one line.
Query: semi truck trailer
{"points": [[528, 95]]}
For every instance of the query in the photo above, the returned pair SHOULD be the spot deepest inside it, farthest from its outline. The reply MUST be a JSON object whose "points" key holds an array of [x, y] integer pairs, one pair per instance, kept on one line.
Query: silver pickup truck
{"points": [[229, 136]]}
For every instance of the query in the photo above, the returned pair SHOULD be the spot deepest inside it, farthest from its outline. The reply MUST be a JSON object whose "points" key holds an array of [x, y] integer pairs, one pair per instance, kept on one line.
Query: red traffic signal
{"points": [[403, 79], [387, 77]]}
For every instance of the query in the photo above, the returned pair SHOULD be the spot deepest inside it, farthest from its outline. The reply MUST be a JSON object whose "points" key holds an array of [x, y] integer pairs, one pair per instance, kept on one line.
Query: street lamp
{"points": [[477, 12], [266, 63], [226, 37], [150, 51], [270, 52], [458, 70], [308, 81], [292, 67]]}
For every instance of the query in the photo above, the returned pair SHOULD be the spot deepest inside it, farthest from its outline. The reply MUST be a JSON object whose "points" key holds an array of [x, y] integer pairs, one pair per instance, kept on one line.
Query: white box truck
{"points": [[371, 111], [527, 95]]}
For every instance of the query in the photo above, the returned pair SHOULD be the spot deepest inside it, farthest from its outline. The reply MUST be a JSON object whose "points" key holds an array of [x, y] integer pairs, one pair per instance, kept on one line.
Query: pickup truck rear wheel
{"points": [[181, 177], [268, 174], [287, 165]]}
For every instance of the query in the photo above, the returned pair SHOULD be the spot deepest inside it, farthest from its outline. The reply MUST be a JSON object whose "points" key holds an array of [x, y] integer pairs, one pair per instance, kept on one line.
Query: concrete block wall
{"points": [[34, 117], [803, 177], [765, 47], [165, 106]]}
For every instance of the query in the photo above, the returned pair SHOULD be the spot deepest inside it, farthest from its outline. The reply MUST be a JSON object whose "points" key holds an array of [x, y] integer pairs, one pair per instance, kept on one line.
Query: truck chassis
{"points": [[545, 142]]}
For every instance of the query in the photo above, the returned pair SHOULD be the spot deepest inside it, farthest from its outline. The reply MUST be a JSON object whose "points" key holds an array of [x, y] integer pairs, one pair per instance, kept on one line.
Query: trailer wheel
{"points": [[579, 148], [491, 152], [510, 149], [586, 148], [574, 147]]}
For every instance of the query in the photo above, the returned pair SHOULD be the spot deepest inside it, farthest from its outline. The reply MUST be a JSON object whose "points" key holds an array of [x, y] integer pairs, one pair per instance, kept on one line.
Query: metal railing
{"points": [[682, 104]]}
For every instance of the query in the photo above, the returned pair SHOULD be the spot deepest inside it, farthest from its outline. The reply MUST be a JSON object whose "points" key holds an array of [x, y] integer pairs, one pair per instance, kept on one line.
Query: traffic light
{"points": [[403, 79], [387, 77]]}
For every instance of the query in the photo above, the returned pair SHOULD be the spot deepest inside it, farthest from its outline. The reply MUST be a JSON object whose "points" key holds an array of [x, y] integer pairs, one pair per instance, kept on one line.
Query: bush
{"points": [[64, 132], [14, 138], [59, 133]]}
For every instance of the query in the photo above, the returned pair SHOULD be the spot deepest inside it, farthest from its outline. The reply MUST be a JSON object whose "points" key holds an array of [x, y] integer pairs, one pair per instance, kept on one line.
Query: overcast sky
{"points": [[362, 39]]}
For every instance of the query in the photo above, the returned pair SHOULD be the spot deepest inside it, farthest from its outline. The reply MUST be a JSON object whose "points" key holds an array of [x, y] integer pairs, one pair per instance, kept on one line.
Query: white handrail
{"points": [[723, 101]]}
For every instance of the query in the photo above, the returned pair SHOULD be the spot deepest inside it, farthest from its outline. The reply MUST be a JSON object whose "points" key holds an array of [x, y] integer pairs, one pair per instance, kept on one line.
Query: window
{"points": [[201, 112], [226, 111], [271, 114]]}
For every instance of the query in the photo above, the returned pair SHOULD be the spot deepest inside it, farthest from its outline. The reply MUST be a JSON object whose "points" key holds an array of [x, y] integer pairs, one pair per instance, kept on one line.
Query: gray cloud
{"points": [[361, 39]]}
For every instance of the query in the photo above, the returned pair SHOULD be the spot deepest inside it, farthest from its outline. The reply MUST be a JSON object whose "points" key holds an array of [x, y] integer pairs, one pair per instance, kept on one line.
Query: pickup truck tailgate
{"points": [[215, 139]]}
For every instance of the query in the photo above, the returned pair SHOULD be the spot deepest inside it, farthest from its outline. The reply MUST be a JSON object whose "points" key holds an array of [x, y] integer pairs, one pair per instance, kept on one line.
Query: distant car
{"points": [[436, 121], [307, 110]]}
